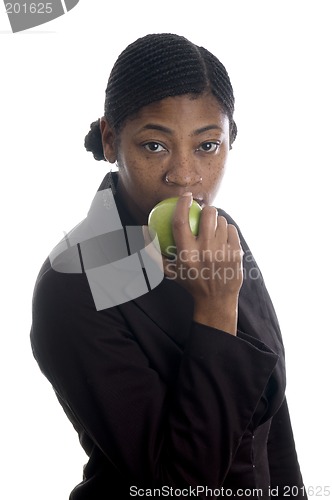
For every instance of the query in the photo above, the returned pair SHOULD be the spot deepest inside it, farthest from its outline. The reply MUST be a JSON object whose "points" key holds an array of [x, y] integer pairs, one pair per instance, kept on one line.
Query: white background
{"points": [[277, 187]]}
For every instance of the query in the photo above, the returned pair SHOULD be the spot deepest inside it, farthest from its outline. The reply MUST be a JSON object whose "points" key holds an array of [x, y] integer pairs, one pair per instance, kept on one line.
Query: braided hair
{"points": [[154, 67]]}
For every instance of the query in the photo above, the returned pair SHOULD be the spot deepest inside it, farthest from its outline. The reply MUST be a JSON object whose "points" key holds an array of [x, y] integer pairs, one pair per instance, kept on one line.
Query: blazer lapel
{"points": [[170, 307]]}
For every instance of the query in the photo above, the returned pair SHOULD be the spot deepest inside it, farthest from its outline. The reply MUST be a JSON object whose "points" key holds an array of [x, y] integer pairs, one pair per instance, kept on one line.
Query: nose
{"points": [[183, 172]]}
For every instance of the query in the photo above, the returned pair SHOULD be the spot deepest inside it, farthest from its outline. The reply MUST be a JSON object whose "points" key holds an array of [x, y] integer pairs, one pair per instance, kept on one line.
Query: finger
{"points": [[222, 230], [233, 237], [208, 224], [180, 224], [234, 240]]}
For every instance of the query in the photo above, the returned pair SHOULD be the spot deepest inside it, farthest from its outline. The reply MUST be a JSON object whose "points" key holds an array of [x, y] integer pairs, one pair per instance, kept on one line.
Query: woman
{"points": [[180, 390]]}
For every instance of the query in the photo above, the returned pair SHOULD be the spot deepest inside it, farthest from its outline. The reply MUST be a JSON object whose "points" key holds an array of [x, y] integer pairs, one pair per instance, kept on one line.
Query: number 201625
{"points": [[29, 8]]}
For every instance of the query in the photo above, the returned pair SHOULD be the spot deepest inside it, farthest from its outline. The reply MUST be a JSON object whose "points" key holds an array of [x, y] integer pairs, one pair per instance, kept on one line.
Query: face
{"points": [[172, 146]]}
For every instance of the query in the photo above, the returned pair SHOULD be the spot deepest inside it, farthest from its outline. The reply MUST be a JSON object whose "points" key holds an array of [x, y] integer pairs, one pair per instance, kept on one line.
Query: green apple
{"points": [[160, 223]]}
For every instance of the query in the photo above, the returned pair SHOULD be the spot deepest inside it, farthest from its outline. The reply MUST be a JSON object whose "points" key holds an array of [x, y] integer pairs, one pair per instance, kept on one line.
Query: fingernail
{"points": [[188, 194]]}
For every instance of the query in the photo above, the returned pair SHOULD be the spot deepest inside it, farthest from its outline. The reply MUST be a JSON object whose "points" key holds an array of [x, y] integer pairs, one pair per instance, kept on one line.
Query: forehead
{"points": [[185, 110]]}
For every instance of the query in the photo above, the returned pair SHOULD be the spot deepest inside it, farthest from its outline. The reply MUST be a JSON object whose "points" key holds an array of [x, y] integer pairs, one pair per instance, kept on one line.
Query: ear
{"points": [[108, 140]]}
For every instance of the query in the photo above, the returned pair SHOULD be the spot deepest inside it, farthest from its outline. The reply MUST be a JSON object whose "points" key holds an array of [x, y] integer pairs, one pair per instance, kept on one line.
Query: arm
{"points": [[153, 433], [284, 466]]}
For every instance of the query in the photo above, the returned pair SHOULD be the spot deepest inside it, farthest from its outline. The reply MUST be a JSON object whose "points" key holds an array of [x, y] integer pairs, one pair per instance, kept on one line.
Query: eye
{"points": [[209, 147], [154, 147]]}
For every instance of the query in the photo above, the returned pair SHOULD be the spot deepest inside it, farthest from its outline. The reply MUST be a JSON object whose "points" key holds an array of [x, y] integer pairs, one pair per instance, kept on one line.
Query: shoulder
{"points": [[230, 220]]}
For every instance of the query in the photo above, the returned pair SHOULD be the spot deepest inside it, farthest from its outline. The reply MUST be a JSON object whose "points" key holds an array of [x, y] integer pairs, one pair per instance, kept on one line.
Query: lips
{"points": [[198, 198]]}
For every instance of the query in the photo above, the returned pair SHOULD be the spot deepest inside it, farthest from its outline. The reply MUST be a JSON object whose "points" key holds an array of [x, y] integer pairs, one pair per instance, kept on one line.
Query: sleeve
{"points": [[256, 305], [285, 472], [153, 434]]}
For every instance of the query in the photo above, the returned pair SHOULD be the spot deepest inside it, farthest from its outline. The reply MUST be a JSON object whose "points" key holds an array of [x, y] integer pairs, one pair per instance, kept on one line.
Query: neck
{"points": [[133, 211]]}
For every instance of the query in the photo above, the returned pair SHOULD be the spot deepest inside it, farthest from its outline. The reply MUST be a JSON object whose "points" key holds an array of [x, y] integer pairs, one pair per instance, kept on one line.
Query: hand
{"points": [[209, 266]]}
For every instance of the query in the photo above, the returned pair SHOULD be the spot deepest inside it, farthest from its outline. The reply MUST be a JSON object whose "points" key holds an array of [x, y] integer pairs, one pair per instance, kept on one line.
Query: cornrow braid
{"points": [[154, 67]]}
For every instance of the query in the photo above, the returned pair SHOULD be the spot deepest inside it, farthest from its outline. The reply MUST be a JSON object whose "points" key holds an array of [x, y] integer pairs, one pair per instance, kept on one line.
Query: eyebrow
{"points": [[162, 128], [154, 126], [206, 129]]}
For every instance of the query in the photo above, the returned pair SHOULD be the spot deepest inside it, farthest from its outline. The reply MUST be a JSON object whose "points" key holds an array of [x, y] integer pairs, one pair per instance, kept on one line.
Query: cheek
{"points": [[129, 169], [140, 181], [214, 174], [213, 181]]}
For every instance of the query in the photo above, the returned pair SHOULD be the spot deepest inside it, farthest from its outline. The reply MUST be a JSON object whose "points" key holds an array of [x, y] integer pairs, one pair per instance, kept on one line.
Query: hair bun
{"points": [[93, 142]]}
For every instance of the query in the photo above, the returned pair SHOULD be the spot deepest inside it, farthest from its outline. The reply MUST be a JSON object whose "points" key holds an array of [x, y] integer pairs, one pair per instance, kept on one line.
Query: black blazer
{"points": [[160, 401]]}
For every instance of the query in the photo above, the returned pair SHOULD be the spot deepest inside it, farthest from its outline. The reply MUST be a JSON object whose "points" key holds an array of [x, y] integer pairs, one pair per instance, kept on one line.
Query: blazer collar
{"points": [[171, 307], [168, 305]]}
